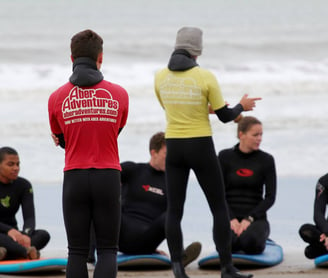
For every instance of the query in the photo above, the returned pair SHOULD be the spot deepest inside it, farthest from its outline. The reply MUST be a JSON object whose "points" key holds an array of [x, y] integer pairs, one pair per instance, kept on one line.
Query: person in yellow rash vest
{"points": [[186, 91]]}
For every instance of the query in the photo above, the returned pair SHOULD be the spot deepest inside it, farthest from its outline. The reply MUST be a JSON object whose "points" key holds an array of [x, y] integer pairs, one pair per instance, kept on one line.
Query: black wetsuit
{"points": [[199, 155], [246, 175], [311, 233], [95, 191], [14, 195], [143, 208]]}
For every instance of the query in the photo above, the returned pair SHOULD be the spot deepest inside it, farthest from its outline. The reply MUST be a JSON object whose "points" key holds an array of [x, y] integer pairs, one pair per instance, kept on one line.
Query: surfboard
{"points": [[272, 255], [26, 266], [147, 261], [321, 261]]}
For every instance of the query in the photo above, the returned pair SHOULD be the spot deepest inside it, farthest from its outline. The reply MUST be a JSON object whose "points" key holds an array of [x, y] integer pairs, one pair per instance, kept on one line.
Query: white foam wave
{"points": [[268, 76], [292, 111]]}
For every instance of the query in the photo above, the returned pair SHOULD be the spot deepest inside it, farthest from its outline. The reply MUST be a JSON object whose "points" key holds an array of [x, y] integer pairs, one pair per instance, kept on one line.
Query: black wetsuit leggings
{"points": [[92, 196], [253, 239], [199, 155], [39, 239], [311, 234], [139, 237]]}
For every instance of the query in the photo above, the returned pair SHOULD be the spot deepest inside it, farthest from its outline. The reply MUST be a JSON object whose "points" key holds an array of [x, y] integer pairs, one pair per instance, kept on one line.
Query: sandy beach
{"points": [[294, 265]]}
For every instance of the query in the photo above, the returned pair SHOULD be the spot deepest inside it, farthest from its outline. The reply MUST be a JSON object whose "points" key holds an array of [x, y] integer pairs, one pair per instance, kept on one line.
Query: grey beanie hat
{"points": [[190, 39]]}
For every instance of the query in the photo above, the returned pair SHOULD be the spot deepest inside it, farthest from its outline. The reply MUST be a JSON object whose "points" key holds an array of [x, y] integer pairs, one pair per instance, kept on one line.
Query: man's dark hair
{"points": [[86, 43], [5, 151], [157, 141]]}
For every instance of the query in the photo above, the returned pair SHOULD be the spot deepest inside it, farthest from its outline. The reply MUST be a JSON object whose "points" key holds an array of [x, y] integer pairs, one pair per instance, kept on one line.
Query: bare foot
{"points": [[32, 253]]}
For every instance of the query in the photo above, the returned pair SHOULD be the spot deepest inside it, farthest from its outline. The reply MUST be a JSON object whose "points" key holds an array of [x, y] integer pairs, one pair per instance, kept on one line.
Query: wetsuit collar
{"points": [[85, 72], [237, 150], [181, 60]]}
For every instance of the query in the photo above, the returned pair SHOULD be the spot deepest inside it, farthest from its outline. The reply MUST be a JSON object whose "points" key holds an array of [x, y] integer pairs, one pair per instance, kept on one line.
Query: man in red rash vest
{"points": [[86, 115]]}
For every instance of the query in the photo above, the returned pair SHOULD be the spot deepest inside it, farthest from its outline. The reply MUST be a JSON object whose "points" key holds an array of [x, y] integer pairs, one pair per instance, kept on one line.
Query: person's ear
{"points": [[100, 58]]}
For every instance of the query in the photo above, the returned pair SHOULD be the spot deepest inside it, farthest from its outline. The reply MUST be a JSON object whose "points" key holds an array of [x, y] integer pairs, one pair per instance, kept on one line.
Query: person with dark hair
{"points": [[144, 205], [185, 91], [86, 116], [317, 235], [250, 185], [15, 193]]}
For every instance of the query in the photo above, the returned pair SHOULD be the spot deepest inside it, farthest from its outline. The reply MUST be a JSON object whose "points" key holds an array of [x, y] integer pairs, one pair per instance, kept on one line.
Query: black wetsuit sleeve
{"points": [[320, 204], [28, 211], [226, 114], [270, 184], [61, 140], [4, 228]]}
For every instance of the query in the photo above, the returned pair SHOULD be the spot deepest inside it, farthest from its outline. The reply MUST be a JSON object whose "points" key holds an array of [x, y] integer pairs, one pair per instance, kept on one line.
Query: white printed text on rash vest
{"points": [[83, 105]]}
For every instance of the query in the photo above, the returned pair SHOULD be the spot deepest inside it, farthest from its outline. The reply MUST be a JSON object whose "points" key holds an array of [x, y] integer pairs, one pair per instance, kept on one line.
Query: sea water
{"points": [[276, 50]]}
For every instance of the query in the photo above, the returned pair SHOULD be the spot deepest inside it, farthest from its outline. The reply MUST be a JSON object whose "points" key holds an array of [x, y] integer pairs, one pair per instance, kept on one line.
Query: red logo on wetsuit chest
{"points": [[146, 187], [152, 189], [244, 172]]}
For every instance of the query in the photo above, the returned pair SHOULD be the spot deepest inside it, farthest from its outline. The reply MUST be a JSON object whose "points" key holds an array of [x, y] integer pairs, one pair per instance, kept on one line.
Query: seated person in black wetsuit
{"points": [[250, 184], [144, 205], [16, 192], [317, 235]]}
